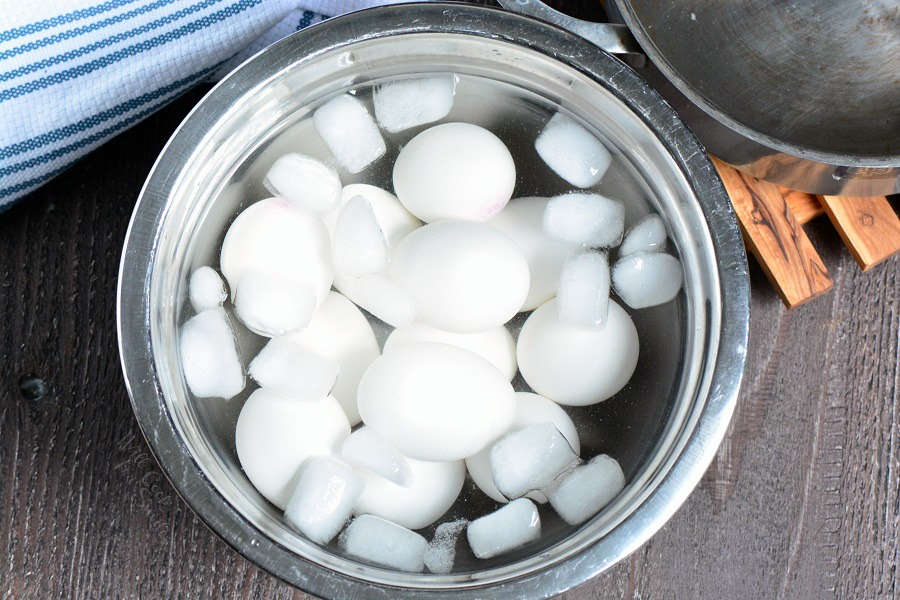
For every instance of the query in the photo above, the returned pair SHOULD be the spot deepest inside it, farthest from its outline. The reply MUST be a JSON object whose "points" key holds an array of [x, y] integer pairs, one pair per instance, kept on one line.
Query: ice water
{"points": [[625, 426]]}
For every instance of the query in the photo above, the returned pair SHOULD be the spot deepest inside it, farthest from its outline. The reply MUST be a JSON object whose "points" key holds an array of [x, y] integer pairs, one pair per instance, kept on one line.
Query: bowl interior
{"points": [[645, 426]]}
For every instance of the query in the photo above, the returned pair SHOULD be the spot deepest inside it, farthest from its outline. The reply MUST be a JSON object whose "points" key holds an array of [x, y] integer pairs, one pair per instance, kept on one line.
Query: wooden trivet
{"points": [[771, 219]]}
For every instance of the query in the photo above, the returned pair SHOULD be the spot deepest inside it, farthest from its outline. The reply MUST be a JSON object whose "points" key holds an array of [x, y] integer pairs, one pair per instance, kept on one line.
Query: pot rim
{"points": [[833, 159], [133, 308]]}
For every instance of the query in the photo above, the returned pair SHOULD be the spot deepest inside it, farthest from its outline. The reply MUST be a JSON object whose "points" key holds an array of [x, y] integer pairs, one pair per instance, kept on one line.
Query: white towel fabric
{"points": [[74, 73]]}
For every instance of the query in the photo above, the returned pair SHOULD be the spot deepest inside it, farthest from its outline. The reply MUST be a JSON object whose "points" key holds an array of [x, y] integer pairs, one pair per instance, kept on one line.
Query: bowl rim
{"points": [[138, 259]]}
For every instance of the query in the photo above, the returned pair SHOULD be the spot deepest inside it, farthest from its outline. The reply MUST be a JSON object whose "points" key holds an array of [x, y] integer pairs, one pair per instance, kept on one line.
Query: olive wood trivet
{"points": [[771, 219]]}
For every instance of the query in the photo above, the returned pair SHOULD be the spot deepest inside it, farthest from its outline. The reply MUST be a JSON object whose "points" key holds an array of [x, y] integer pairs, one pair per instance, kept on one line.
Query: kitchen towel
{"points": [[74, 73]]}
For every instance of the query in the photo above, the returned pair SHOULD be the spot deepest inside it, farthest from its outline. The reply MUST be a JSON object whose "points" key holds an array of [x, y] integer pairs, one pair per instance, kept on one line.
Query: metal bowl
{"points": [[187, 202]]}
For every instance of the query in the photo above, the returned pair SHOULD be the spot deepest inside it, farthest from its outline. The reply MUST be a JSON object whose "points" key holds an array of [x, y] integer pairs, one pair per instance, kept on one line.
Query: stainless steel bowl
{"points": [[186, 203]]}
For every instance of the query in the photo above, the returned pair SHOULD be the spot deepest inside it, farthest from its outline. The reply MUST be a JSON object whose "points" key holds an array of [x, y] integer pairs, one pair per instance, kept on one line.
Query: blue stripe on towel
{"points": [[71, 33], [74, 72], [22, 186], [114, 39], [71, 129], [75, 15]]}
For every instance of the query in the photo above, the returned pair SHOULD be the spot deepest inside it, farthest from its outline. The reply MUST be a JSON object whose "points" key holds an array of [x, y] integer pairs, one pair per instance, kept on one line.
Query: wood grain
{"points": [[775, 237], [869, 227], [801, 503], [805, 207]]}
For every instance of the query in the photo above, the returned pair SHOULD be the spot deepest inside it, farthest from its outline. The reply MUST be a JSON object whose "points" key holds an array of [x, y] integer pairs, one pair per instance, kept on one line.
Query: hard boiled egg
{"points": [[462, 276], [278, 256], [434, 401], [275, 434], [454, 171], [339, 331], [573, 364], [494, 345], [429, 490], [522, 220]]}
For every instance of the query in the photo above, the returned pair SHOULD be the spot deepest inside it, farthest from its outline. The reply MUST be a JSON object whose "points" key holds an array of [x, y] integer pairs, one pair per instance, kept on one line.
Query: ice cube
{"points": [[379, 295], [646, 279], [384, 543], [588, 488], [206, 289], [583, 295], [441, 550], [359, 247], [323, 498], [412, 102], [366, 449], [271, 305], [583, 218], [505, 529], [209, 357], [530, 459], [647, 235], [305, 181], [293, 371], [572, 151], [349, 132], [530, 409]]}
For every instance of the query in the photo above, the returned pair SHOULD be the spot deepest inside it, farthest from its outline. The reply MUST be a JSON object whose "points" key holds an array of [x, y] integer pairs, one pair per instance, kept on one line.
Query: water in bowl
{"points": [[625, 426]]}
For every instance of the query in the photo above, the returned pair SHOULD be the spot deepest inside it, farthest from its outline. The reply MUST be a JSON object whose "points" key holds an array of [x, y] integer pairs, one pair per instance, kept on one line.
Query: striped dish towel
{"points": [[74, 73]]}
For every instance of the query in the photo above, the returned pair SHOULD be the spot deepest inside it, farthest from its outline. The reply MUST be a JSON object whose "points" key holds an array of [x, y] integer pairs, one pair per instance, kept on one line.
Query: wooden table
{"points": [[802, 502]]}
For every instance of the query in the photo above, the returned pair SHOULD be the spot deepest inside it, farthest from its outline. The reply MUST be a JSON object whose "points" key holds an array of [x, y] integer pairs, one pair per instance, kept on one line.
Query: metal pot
{"points": [[186, 203], [805, 94]]}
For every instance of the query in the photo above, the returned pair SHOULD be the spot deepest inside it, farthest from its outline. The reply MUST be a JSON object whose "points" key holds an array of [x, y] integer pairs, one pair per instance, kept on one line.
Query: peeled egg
{"points": [[522, 220], [288, 249], [275, 434], [573, 364], [340, 332], [394, 220], [494, 345], [435, 401], [462, 276], [430, 490], [454, 171], [531, 409]]}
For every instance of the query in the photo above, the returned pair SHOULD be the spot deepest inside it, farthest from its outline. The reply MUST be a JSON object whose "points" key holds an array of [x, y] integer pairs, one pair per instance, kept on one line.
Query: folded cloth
{"points": [[74, 73]]}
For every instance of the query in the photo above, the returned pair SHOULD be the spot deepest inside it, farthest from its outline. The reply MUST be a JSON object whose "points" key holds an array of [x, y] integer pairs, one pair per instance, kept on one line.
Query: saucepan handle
{"points": [[612, 37]]}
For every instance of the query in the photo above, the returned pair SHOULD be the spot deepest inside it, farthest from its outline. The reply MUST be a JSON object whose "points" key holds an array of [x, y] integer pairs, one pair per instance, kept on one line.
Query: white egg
{"points": [[380, 295], [522, 220], [434, 401], [575, 365], [288, 248], [462, 276], [454, 171], [531, 409], [494, 345], [339, 331], [429, 492], [275, 434], [394, 220]]}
